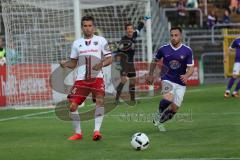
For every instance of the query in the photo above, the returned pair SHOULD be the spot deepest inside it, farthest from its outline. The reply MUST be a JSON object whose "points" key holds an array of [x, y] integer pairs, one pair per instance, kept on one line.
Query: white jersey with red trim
{"points": [[89, 52]]}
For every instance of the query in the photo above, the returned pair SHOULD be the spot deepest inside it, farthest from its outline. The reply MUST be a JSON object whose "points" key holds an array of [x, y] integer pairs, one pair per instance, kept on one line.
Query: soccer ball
{"points": [[140, 141]]}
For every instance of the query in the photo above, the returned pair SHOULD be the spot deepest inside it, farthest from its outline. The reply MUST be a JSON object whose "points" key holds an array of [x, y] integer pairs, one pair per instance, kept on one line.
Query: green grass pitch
{"points": [[206, 127]]}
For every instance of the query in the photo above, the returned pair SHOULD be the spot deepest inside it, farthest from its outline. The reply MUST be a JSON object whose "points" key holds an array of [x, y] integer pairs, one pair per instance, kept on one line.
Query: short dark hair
{"points": [[176, 28], [87, 18], [128, 24]]}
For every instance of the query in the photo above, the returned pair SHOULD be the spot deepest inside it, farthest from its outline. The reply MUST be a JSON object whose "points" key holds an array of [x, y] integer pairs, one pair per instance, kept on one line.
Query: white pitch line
{"points": [[30, 116], [42, 117], [227, 113], [26, 115]]}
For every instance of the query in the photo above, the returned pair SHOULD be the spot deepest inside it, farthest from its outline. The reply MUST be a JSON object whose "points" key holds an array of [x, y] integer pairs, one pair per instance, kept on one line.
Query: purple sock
{"points": [[230, 83], [237, 87]]}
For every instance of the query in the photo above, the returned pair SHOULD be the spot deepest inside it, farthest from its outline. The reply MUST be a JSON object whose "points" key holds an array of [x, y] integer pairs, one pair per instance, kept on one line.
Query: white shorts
{"points": [[177, 90], [236, 68]]}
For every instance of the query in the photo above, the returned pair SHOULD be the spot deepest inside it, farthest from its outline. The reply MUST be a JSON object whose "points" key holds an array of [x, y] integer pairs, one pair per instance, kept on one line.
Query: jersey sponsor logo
{"points": [[174, 64], [89, 51], [95, 43]]}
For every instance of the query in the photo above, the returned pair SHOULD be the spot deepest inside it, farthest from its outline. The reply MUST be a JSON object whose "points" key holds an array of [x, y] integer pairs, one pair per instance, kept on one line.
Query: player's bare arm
{"points": [[189, 72], [225, 57], [69, 64], [149, 78], [105, 62], [230, 50]]}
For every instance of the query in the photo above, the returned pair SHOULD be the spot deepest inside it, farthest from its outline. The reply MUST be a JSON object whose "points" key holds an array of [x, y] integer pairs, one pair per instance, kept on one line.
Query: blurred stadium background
{"points": [[39, 33]]}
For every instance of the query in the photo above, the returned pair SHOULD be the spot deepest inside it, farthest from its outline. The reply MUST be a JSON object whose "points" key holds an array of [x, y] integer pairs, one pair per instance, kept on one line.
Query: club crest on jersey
{"points": [[182, 56], [174, 64], [95, 43], [87, 43]]}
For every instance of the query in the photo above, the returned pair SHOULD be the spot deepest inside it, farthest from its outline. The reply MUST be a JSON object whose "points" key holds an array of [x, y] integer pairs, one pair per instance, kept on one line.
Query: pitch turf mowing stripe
{"points": [[150, 97], [197, 159]]}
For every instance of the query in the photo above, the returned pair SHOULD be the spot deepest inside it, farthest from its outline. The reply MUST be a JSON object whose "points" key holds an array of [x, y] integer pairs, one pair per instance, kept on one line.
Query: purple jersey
{"points": [[175, 61], [236, 45]]}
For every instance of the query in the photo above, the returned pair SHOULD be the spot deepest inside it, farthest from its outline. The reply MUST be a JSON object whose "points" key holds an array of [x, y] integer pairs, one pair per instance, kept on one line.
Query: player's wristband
{"points": [[146, 17]]}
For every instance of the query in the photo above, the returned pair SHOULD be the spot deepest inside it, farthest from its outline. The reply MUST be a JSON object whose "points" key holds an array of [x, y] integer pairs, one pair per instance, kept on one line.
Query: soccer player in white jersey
{"points": [[178, 66], [90, 53]]}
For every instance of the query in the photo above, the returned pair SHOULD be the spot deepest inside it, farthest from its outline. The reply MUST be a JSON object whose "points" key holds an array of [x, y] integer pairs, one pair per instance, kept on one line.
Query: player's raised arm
{"points": [[139, 28]]}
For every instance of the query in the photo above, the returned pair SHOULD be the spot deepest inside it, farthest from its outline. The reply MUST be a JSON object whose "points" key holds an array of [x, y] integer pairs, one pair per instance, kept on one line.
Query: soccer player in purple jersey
{"points": [[236, 69], [178, 65]]}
